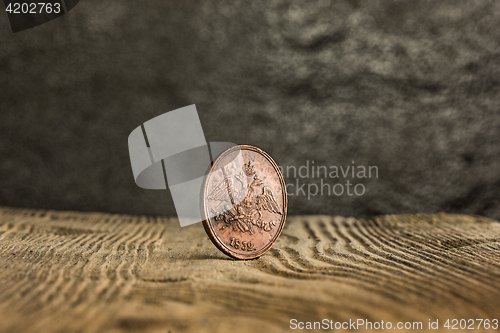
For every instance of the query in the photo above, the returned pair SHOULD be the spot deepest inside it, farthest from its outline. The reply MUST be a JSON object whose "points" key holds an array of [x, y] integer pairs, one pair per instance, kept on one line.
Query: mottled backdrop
{"points": [[412, 87]]}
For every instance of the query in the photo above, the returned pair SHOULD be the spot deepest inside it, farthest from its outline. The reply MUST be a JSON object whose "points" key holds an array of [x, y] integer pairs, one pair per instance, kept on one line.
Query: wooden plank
{"points": [[92, 272]]}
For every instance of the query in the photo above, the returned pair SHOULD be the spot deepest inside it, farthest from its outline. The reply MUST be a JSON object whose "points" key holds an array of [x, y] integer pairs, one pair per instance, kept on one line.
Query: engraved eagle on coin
{"points": [[240, 207]]}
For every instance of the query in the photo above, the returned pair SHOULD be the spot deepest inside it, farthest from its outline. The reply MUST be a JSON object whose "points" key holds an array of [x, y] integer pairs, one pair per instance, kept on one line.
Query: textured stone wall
{"points": [[412, 87]]}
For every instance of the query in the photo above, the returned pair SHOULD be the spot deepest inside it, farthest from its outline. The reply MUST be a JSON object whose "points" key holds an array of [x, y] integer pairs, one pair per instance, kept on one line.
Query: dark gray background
{"points": [[412, 87]]}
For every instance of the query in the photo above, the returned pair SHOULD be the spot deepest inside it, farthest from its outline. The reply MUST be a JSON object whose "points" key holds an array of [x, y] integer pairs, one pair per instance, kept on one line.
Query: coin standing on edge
{"points": [[244, 202]]}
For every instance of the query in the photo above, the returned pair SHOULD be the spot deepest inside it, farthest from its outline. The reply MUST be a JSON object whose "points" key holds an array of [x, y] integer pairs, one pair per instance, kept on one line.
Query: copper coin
{"points": [[244, 202]]}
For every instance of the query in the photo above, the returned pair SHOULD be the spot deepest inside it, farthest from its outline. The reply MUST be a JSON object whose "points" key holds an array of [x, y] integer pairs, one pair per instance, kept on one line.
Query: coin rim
{"points": [[208, 228]]}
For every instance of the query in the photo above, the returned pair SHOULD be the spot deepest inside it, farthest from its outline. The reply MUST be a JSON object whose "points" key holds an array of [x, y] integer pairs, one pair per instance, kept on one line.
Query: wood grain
{"points": [[92, 272]]}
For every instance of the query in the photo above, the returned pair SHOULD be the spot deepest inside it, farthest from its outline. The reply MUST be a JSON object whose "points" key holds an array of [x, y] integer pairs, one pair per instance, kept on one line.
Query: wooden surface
{"points": [[83, 272]]}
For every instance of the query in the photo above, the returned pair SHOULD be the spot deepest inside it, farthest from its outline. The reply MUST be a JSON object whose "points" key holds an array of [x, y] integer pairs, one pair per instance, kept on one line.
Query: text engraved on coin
{"points": [[237, 244]]}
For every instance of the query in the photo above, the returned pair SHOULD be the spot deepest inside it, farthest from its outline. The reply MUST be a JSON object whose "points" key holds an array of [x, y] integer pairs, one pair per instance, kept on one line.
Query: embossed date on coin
{"points": [[241, 245]]}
